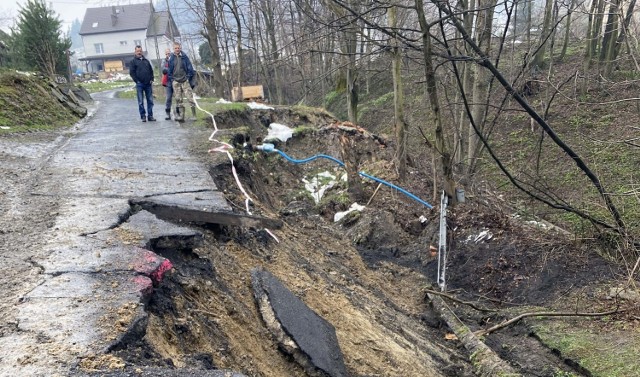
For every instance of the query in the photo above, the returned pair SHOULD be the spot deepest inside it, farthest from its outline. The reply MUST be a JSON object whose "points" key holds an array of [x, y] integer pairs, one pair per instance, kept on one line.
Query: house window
{"points": [[137, 42], [99, 48], [123, 43]]}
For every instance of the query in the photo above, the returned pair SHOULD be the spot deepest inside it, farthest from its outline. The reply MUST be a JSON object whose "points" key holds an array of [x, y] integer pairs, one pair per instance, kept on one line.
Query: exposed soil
{"points": [[366, 274]]}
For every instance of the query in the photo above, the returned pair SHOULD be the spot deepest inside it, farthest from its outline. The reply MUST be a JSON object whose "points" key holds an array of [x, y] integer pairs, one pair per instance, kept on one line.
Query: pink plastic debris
{"points": [[158, 274], [152, 265], [143, 284]]}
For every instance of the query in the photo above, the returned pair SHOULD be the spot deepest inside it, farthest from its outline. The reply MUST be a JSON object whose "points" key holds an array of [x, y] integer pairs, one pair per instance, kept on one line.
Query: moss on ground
{"points": [[593, 343], [28, 106]]}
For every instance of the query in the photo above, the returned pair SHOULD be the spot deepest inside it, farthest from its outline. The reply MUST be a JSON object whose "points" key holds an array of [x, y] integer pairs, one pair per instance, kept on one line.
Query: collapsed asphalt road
{"points": [[94, 270], [107, 192], [103, 275]]}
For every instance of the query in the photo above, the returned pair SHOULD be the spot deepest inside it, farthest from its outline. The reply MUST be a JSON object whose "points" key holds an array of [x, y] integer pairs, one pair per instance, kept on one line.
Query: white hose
{"points": [[225, 148]]}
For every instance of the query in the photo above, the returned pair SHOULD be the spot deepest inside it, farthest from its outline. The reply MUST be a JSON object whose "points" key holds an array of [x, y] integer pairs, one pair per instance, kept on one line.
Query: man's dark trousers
{"points": [[167, 105], [144, 90]]}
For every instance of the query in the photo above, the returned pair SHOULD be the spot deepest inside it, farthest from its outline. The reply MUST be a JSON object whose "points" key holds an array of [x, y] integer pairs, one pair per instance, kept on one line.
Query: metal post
{"points": [[442, 243]]}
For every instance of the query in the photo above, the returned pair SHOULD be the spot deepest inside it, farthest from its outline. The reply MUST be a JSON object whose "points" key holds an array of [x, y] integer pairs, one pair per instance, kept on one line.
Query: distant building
{"points": [[110, 34]]}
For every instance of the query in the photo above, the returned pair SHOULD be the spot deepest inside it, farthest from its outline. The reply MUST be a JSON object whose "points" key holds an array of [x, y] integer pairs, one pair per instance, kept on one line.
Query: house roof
{"points": [[124, 18], [162, 23]]}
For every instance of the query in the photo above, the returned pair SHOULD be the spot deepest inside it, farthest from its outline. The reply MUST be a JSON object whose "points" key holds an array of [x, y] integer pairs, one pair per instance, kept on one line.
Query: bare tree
{"points": [[484, 25], [398, 97], [483, 60], [442, 145], [538, 60], [211, 35], [609, 39]]}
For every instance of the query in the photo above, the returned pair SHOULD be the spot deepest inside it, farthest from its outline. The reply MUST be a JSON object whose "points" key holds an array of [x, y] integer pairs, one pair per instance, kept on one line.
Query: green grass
{"points": [[332, 96], [129, 93], [303, 130], [592, 347], [382, 100], [626, 75], [99, 86], [210, 105]]}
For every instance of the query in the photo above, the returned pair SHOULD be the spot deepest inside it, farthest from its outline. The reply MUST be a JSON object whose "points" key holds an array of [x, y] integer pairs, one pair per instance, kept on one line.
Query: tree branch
{"points": [[544, 314]]}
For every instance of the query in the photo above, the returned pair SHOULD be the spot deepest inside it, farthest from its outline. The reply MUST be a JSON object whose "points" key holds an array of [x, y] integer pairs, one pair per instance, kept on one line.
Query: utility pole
{"points": [[155, 38], [68, 53]]}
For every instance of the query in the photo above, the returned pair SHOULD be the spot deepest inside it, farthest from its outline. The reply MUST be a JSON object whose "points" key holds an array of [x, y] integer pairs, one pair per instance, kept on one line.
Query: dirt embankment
{"points": [[366, 274]]}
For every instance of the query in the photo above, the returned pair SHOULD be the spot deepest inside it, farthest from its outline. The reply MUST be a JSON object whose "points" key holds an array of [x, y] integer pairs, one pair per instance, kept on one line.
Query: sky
{"points": [[66, 10]]}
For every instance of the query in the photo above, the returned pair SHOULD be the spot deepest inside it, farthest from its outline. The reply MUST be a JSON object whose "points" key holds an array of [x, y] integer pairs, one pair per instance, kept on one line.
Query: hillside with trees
{"points": [[461, 78]]}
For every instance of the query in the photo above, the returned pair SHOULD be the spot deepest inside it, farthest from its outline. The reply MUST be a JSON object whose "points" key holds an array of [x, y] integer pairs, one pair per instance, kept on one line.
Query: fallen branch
{"points": [[459, 301], [545, 314], [374, 193]]}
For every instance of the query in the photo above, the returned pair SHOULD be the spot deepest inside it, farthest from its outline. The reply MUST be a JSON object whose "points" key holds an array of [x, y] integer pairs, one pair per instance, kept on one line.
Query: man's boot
{"points": [[168, 117], [180, 113], [193, 113]]}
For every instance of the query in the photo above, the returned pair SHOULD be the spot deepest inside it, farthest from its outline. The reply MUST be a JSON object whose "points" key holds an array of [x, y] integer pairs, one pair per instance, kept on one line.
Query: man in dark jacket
{"points": [[142, 74], [181, 77]]}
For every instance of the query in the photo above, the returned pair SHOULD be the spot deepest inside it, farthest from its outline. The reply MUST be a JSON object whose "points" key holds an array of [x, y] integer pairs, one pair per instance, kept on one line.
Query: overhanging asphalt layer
{"points": [[314, 336], [204, 207]]}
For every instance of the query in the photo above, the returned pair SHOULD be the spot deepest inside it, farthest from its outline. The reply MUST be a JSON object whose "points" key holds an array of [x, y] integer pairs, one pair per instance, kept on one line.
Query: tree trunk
{"points": [[486, 363], [552, 38], [625, 29], [351, 161], [484, 23], [565, 42], [398, 100], [211, 34], [529, 24], [266, 8], [446, 157], [348, 46], [467, 82], [610, 36], [239, 58], [591, 35], [352, 74], [538, 60], [597, 28]]}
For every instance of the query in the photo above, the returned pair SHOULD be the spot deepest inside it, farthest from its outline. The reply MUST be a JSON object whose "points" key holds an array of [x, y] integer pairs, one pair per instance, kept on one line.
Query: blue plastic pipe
{"points": [[407, 193], [271, 148]]}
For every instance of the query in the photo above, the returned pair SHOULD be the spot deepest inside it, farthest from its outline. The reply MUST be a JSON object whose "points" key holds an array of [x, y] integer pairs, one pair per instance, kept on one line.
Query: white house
{"points": [[110, 35]]}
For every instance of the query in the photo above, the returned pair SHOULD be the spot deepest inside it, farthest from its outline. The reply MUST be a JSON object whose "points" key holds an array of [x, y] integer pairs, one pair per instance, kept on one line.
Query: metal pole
{"points": [[442, 243]]}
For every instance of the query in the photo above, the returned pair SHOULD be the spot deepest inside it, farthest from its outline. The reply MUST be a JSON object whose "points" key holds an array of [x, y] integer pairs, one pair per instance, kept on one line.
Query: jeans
{"points": [[145, 90], [167, 105]]}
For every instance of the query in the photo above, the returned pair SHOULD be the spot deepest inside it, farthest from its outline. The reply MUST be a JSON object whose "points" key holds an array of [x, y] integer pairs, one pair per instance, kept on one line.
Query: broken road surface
{"points": [[83, 282]]}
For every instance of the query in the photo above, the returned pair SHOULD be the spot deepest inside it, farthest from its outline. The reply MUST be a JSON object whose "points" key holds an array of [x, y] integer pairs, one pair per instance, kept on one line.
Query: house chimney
{"points": [[114, 16]]}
